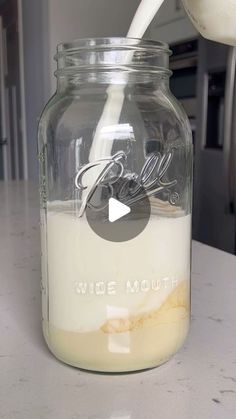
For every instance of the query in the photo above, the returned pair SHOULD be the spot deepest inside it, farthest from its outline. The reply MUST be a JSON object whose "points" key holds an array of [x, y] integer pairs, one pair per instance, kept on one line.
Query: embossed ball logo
{"points": [[109, 179]]}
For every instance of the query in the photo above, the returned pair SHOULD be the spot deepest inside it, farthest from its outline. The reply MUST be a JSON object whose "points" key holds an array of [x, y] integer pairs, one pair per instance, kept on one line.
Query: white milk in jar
{"points": [[127, 304]]}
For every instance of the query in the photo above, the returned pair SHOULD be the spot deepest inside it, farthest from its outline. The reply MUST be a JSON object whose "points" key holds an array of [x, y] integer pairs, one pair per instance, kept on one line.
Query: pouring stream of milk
{"points": [[112, 109]]}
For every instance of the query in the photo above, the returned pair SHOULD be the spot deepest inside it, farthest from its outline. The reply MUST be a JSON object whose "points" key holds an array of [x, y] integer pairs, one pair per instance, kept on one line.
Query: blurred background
{"points": [[203, 80]]}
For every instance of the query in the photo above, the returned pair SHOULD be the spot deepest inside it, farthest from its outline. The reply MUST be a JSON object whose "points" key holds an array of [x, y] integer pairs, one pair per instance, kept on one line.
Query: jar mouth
{"points": [[123, 43], [112, 54]]}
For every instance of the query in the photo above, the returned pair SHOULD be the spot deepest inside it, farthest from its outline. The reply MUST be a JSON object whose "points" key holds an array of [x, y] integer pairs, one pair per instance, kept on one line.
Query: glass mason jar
{"points": [[115, 153]]}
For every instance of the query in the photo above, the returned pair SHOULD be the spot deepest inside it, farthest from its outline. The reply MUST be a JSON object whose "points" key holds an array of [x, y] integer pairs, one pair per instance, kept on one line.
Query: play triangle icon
{"points": [[117, 210]]}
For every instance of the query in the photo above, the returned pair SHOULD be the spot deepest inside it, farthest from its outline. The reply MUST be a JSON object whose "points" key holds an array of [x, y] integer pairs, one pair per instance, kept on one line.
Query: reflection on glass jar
{"points": [[115, 153]]}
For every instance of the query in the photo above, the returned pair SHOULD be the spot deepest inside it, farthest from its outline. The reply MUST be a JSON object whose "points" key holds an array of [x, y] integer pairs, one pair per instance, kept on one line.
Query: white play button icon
{"points": [[118, 220], [117, 210]]}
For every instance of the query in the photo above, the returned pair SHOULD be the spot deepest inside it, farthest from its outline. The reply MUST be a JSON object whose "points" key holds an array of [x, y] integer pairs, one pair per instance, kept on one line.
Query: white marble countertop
{"points": [[198, 383]]}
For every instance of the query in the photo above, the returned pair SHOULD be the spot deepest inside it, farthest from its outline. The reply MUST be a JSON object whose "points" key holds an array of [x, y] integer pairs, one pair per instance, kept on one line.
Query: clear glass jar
{"points": [[115, 153]]}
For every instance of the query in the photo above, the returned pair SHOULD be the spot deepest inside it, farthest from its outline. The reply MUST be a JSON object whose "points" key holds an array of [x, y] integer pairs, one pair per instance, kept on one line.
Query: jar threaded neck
{"points": [[112, 54]]}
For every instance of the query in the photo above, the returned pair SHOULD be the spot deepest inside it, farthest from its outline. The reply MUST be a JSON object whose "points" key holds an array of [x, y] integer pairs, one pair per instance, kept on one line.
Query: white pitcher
{"points": [[214, 19]]}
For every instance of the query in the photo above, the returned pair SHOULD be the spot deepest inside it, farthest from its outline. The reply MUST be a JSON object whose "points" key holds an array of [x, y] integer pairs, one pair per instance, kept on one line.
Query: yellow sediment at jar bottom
{"points": [[132, 344]]}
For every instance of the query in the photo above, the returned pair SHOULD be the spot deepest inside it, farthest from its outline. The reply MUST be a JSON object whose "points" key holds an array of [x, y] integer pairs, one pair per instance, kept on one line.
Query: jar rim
{"points": [[112, 55], [120, 43]]}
